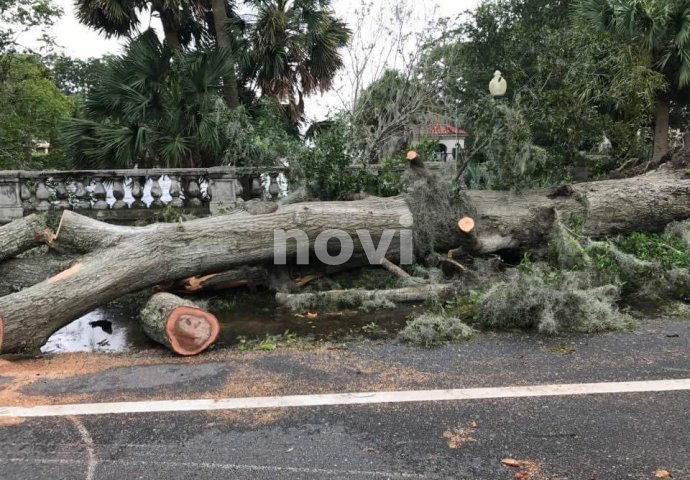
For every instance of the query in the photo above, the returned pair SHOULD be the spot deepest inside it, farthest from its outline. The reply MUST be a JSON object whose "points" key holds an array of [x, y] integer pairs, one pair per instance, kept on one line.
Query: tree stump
{"points": [[178, 324]]}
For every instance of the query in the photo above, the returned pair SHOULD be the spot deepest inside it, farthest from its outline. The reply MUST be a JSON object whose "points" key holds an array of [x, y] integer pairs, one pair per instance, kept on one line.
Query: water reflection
{"points": [[90, 334]]}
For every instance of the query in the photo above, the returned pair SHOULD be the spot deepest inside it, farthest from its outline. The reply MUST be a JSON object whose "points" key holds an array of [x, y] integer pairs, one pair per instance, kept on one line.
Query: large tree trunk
{"points": [[220, 20], [170, 28], [136, 258], [178, 324], [661, 126]]}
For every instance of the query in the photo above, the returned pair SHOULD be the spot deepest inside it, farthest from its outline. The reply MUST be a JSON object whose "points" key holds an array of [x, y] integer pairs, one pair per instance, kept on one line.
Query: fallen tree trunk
{"points": [[178, 324], [355, 298], [137, 258], [23, 234], [19, 273]]}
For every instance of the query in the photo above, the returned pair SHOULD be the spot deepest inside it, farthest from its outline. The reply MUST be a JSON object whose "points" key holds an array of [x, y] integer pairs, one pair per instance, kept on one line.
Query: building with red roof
{"points": [[450, 140]]}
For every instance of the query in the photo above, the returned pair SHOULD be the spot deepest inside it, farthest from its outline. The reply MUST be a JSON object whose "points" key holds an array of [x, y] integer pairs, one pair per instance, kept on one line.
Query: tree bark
{"points": [[23, 234], [354, 298], [661, 126], [136, 258], [17, 274], [170, 28], [178, 324], [220, 20]]}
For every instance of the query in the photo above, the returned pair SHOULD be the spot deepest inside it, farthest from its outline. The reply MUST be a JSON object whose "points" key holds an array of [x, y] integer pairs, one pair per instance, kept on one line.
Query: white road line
{"points": [[219, 466], [362, 398], [90, 449]]}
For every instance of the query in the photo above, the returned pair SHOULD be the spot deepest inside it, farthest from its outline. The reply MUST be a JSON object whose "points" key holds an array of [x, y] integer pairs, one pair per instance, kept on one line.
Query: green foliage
{"points": [[551, 302], [328, 169], [432, 329], [463, 307], [670, 252], [267, 343], [153, 107], [568, 87], [19, 17], [31, 110]]}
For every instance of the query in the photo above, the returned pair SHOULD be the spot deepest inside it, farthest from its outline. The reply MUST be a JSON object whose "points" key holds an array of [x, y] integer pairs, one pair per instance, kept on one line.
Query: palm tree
{"points": [[121, 17], [662, 28], [294, 49], [151, 111]]}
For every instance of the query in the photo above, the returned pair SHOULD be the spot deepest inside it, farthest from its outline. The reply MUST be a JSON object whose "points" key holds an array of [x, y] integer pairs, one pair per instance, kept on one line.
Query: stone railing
{"points": [[130, 195]]}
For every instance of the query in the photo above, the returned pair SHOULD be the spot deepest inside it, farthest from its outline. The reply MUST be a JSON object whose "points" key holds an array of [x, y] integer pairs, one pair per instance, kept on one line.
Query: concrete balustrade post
{"points": [[224, 193], [10, 197]]}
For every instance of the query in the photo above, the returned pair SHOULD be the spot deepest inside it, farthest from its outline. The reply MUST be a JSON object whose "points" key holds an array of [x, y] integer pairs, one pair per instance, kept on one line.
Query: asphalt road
{"points": [[603, 436]]}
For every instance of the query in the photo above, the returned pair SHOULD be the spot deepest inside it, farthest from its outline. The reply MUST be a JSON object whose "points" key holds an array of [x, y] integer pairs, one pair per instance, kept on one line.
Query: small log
{"points": [[22, 235], [178, 324], [357, 297], [394, 269]]}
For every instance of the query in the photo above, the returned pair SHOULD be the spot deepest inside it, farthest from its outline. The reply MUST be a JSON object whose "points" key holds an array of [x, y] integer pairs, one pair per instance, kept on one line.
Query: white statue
{"points": [[498, 85]]}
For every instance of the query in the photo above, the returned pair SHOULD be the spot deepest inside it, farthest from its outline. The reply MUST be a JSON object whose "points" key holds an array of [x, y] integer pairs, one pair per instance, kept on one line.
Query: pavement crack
{"points": [[92, 461]]}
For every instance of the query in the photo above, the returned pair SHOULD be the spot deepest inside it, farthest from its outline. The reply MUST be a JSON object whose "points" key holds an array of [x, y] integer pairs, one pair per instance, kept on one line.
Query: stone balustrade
{"points": [[131, 195]]}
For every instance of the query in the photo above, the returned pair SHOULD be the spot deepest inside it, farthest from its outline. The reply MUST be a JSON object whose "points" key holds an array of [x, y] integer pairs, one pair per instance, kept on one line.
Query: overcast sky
{"points": [[82, 42]]}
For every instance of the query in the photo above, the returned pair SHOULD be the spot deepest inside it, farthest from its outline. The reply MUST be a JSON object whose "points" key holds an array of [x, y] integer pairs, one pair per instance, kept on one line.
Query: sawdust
{"points": [[9, 421], [459, 436], [320, 370]]}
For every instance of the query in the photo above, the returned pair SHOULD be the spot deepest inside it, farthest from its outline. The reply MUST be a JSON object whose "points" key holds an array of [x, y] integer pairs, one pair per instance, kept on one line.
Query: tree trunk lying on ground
{"points": [[178, 324], [355, 298], [127, 259]]}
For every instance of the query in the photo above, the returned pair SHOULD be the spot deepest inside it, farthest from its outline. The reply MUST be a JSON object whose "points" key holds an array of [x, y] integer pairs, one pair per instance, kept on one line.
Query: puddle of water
{"points": [[110, 329], [252, 317]]}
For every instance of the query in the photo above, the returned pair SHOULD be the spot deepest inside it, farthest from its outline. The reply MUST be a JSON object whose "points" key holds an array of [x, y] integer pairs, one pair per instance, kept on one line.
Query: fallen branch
{"points": [[22, 235], [355, 298]]}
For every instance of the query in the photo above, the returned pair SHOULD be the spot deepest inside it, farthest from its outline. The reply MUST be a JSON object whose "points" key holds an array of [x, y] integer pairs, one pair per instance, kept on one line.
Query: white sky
{"points": [[82, 42]]}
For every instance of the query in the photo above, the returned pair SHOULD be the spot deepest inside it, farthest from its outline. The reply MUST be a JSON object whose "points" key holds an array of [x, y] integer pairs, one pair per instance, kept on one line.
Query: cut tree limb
{"points": [[23, 234], [335, 299], [178, 324], [394, 269]]}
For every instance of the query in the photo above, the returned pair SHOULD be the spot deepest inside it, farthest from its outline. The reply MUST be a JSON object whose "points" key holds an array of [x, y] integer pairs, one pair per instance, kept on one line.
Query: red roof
{"points": [[439, 130]]}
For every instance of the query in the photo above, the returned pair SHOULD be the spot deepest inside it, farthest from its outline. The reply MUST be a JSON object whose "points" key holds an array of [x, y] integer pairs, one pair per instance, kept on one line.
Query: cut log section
{"points": [[178, 324], [466, 224]]}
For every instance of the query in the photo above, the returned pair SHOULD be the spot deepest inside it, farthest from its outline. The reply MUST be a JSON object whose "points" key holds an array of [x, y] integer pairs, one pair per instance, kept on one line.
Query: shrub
{"points": [[432, 329], [551, 302]]}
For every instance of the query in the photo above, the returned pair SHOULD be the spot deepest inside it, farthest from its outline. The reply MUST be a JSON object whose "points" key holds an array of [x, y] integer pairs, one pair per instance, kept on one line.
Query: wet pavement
{"points": [[597, 437]]}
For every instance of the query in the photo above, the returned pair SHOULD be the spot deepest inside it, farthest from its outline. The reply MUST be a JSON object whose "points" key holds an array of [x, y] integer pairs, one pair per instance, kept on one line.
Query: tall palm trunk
{"points": [[172, 37], [220, 19], [661, 124]]}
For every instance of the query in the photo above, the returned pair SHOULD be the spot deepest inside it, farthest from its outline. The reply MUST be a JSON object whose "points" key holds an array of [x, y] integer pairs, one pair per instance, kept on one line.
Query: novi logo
{"points": [[375, 253]]}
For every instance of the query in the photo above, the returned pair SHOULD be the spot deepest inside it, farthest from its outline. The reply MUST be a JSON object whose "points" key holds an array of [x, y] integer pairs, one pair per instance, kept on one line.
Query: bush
{"points": [[551, 302], [432, 329]]}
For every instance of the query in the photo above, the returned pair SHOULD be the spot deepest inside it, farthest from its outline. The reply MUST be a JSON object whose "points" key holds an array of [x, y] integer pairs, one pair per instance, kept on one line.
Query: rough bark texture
{"points": [[137, 258], [220, 19], [661, 126], [19, 273], [178, 324], [357, 297], [21, 235]]}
